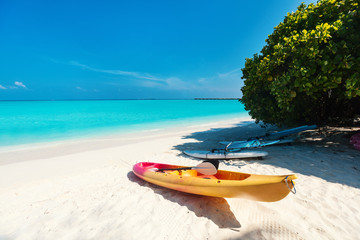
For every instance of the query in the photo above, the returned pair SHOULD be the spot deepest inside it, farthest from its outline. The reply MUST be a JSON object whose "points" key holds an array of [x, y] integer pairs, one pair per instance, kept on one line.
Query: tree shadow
{"points": [[206, 141], [215, 209], [324, 153]]}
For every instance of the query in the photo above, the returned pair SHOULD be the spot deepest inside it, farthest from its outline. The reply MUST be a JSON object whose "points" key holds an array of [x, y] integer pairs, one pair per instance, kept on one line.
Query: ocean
{"points": [[23, 122]]}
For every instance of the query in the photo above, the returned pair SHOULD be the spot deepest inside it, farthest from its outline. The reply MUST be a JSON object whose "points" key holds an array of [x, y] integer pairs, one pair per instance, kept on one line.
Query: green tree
{"points": [[309, 70]]}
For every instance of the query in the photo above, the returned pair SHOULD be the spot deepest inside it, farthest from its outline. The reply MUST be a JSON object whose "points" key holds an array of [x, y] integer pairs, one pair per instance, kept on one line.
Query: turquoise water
{"points": [[24, 122]]}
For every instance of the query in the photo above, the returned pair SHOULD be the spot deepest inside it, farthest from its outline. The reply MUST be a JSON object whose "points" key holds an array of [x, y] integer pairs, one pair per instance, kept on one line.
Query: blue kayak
{"points": [[268, 139], [255, 143]]}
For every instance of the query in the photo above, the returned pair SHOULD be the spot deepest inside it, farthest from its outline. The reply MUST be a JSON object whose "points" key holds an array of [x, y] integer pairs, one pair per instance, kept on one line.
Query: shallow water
{"points": [[24, 122]]}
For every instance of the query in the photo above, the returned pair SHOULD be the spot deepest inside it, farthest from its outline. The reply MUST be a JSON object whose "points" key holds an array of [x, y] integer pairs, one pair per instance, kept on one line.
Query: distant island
{"points": [[216, 98]]}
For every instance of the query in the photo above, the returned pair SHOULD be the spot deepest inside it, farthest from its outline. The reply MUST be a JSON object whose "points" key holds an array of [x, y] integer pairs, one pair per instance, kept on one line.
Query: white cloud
{"points": [[235, 72], [81, 89], [145, 79], [222, 78], [220, 82], [116, 72], [201, 80], [20, 84], [228, 83], [86, 90], [15, 86], [177, 83]]}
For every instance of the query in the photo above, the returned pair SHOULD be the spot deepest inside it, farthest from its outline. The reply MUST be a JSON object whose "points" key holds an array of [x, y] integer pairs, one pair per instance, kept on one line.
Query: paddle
{"points": [[209, 167]]}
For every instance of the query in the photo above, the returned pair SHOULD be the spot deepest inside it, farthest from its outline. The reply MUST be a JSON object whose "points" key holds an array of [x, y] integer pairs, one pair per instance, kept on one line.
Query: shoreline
{"points": [[65, 128], [108, 140], [83, 190]]}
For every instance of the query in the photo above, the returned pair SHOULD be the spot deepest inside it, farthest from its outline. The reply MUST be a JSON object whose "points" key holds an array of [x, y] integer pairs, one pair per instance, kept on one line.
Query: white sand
{"points": [[85, 189]]}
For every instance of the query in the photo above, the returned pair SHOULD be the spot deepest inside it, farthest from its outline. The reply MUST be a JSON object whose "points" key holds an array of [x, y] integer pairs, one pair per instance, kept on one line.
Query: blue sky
{"points": [[130, 49]]}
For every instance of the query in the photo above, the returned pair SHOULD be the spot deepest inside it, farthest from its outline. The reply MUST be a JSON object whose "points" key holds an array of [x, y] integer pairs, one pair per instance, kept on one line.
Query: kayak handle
{"points": [[291, 190], [173, 169]]}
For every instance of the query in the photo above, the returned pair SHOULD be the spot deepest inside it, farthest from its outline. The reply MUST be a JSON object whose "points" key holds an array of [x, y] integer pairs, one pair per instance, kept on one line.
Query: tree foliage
{"points": [[309, 70]]}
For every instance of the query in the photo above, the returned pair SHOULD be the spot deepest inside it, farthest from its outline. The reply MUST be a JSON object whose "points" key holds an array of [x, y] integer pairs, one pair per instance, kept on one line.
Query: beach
{"points": [[85, 188]]}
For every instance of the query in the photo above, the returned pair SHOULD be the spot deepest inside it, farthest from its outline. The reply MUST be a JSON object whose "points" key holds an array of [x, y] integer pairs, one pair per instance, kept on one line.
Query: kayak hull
{"points": [[224, 184], [225, 155]]}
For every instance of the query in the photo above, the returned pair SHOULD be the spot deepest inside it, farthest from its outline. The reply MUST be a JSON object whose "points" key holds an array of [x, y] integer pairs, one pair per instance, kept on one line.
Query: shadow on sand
{"points": [[326, 154], [215, 209], [206, 140]]}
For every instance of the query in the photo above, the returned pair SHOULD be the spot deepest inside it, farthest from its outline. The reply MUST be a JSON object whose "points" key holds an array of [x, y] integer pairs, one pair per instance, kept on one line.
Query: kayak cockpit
{"points": [[225, 175], [221, 175]]}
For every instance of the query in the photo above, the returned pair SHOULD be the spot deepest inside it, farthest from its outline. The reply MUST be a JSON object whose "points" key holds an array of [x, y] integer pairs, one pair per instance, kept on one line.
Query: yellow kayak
{"points": [[226, 184]]}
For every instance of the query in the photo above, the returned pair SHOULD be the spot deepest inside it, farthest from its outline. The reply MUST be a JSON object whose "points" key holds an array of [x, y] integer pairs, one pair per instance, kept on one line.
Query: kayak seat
{"points": [[188, 173], [184, 173]]}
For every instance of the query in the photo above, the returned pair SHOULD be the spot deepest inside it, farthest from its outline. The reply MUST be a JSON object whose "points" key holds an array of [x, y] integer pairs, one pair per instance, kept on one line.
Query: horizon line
{"points": [[114, 99]]}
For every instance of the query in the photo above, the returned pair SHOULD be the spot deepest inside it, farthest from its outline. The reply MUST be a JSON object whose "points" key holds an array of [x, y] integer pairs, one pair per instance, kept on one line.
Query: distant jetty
{"points": [[217, 98]]}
